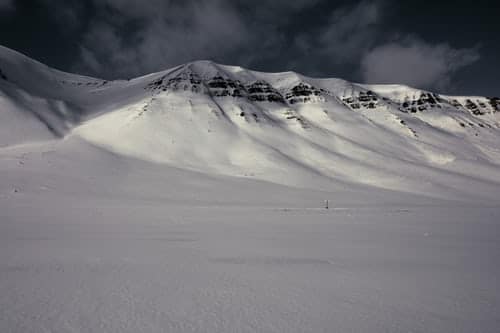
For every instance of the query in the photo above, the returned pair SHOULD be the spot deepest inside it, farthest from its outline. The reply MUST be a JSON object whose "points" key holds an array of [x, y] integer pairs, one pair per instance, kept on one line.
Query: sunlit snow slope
{"points": [[280, 127]]}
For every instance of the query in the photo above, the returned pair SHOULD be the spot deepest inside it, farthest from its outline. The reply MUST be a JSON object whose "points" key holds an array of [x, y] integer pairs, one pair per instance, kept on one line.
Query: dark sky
{"points": [[448, 46]]}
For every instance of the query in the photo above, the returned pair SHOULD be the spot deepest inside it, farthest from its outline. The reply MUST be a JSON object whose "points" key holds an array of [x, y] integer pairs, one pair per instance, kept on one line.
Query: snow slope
{"points": [[279, 127], [97, 242]]}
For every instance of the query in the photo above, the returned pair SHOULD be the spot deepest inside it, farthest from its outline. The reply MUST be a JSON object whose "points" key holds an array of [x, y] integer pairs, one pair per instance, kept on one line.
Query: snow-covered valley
{"points": [[192, 200]]}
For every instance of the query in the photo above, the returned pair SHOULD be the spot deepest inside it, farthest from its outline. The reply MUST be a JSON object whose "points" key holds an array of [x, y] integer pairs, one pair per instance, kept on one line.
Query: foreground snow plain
{"points": [[86, 245]]}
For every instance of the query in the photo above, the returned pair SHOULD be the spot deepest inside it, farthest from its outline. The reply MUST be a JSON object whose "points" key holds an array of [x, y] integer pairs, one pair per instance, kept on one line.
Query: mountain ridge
{"points": [[281, 127]]}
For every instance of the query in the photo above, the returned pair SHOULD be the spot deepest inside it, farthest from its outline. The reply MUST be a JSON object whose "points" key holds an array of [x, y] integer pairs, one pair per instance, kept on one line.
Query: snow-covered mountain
{"points": [[281, 127]]}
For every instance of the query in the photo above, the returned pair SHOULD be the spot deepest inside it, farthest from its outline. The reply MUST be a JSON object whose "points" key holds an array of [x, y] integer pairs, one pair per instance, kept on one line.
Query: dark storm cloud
{"points": [[348, 32], [368, 41], [128, 39], [169, 33], [68, 15], [160, 34], [6, 5], [351, 31]]}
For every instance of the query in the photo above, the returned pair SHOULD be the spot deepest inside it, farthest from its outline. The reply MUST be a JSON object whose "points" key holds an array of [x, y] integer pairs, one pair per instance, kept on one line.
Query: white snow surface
{"points": [[192, 200]]}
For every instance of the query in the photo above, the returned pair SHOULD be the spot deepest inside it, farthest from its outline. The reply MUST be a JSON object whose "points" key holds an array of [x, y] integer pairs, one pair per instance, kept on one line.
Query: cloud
{"points": [[68, 15], [130, 37], [6, 5], [350, 31], [347, 34], [143, 38], [126, 38], [416, 63], [275, 12]]}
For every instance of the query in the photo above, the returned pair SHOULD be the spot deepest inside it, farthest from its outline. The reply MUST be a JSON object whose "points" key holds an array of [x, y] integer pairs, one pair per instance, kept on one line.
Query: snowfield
{"points": [[192, 200]]}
